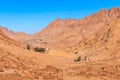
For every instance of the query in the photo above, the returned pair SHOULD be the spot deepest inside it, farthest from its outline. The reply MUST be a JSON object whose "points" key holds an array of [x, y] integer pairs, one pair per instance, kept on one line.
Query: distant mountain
{"points": [[4, 39], [20, 36]]}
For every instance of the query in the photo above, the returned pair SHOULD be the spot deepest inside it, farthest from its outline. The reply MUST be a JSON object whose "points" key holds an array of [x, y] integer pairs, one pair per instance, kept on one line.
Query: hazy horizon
{"points": [[31, 16]]}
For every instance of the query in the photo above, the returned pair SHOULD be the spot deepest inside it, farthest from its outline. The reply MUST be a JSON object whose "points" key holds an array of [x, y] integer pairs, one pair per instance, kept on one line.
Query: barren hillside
{"points": [[86, 49], [65, 33], [19, 36]]}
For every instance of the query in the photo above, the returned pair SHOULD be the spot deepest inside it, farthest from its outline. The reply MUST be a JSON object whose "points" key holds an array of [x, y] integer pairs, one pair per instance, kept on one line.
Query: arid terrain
{"points": [[85, 49]]}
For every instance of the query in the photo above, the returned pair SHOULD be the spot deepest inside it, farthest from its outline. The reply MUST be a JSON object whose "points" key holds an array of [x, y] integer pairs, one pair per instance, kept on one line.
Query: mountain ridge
{"points": [[66, 31], [20, 36]]}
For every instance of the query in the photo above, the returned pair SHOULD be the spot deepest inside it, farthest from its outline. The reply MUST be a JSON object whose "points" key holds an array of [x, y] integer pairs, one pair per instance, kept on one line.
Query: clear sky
{"points": [[31, 16]]}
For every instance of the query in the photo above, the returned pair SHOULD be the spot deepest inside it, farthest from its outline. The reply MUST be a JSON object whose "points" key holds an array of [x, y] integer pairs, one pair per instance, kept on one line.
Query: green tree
{"points": [[28, 47], [36, 49]]}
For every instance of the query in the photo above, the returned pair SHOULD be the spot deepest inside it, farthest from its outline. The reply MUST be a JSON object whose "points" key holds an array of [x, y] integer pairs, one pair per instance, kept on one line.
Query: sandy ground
{"points": [[19, 64]]}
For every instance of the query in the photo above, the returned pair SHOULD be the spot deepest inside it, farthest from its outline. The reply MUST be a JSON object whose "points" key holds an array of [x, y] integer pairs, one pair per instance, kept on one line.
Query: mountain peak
{"points": [[115, 9], [104, 10], [58, 19]]}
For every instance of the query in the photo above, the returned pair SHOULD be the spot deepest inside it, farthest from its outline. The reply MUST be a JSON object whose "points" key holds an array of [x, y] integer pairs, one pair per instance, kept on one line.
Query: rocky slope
{"points": [[8, 41], [20, 36], [17, 63]]}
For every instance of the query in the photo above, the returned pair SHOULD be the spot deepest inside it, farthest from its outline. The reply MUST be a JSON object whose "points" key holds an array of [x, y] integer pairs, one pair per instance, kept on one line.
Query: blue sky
{"points": [[31, 16]]}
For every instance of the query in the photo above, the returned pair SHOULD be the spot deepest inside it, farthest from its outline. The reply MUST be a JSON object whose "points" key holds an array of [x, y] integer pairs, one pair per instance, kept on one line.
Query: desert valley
{"points": [[85, 49]]}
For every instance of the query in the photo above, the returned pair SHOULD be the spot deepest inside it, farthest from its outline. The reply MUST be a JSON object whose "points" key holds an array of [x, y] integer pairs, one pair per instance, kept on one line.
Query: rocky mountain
{"points": [[61, 34], [69, 32], [8, 41], [20, 36], [86, 49], [17, 63]]}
